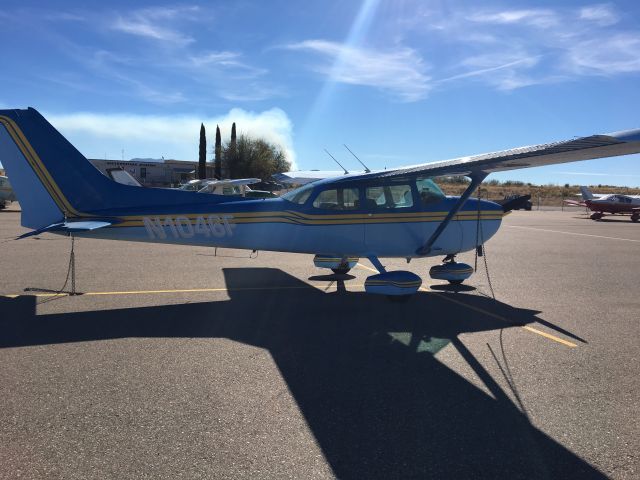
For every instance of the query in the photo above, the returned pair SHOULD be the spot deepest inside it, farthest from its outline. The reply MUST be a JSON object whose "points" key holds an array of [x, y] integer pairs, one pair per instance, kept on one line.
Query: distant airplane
{"points": [[393, 213], [7, 194], [609, 203], [234, 187], [586, 194]]}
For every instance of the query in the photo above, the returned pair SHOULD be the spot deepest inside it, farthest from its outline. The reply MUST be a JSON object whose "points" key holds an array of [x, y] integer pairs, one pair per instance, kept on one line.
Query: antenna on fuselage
{"points": [[346, 172], [366, 169]]}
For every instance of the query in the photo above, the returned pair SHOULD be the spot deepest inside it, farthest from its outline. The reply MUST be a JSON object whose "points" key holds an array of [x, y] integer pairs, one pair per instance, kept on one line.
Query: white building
{"points": [[155, 173]]}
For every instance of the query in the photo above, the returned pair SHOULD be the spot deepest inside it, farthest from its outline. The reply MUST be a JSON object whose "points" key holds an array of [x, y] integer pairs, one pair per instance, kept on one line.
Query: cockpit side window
{"points": [[428, 191], [389, 196], [337, 199]]}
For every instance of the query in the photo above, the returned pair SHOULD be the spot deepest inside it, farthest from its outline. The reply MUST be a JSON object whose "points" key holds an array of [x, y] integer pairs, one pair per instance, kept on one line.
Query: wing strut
{"points": [[476, 179]]}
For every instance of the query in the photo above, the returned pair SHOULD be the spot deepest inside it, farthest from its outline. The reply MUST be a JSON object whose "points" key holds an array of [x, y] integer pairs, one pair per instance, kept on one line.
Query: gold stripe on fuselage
{"points": [[320, 220]]}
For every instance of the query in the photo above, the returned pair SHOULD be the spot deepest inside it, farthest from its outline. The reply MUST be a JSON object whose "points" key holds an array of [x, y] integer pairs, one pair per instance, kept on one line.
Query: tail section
{"points": [[51, 178], [41, 204], [586, 193], [55, 182]]}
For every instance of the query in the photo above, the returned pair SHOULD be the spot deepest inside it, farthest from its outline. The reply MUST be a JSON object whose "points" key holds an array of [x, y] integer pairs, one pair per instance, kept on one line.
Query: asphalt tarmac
{"points": [[181, 362]]}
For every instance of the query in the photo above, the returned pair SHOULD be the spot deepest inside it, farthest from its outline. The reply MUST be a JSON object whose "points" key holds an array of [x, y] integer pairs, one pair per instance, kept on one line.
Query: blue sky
{"points": [[401, 82]]}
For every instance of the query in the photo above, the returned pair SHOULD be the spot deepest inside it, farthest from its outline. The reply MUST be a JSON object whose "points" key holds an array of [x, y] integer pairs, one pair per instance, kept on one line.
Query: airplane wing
{"points": [[302, 177], [241, 181], [585, 148]]}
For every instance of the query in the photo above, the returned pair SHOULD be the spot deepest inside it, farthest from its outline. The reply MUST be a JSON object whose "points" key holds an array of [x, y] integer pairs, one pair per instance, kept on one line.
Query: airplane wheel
{"points": [[399, 298], [596, 216], [634, 218], [340, 271]]}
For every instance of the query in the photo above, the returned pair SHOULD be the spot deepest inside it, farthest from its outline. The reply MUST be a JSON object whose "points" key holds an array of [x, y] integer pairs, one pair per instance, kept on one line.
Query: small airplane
{"points": [[7, 194], [393, 213], [233, 187], [586, 194], [612, 203]]}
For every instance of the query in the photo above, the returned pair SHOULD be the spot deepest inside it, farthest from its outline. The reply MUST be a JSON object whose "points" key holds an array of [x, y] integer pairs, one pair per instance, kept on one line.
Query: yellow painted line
{"points": [[152, 292], [488, 313], [575, 233], [185, 290], [491, 314], [549, 336]]}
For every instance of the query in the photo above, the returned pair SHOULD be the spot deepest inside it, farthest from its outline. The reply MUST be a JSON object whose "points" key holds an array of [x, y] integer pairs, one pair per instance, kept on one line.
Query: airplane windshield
{"points": [[299, 195], [428, 191]]}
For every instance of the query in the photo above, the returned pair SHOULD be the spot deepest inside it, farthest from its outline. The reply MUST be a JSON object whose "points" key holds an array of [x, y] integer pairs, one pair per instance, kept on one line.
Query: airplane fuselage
{"points": [[624, 205], [279, 225]]}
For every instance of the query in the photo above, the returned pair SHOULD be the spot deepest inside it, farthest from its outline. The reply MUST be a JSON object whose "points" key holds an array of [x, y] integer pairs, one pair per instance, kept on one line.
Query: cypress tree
{"points": [[202, 157], [218, 153], [233, 147]]}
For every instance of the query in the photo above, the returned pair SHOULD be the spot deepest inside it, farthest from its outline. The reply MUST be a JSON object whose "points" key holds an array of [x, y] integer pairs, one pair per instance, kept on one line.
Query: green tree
{"points": [[218, 154], [231, 154], [255, 158], [202, 154]]}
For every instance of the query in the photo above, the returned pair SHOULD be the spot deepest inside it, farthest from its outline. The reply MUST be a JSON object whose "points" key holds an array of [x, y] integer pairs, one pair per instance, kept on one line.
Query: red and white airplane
{"points": [[611, 203]]}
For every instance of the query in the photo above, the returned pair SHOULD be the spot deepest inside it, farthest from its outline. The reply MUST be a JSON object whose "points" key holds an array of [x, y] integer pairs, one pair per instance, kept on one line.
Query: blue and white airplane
{"points": [[395, 213]]}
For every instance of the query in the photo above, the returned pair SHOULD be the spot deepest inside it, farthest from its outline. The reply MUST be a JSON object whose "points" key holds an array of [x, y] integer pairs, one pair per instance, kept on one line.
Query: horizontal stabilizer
{"points": [[69, 227]]}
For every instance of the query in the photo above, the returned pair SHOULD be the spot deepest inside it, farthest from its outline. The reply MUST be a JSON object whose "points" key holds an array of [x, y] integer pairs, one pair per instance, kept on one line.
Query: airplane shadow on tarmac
{"points": [[361, 369]]}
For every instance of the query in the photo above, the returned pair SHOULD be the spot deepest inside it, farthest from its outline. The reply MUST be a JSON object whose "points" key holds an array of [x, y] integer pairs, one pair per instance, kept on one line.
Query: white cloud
{"points": [[542, 18], [602, 14], [153, 136], [156, 23], [399, 71], [513, 48], [212, 62], [504, 71], [606, 56]]}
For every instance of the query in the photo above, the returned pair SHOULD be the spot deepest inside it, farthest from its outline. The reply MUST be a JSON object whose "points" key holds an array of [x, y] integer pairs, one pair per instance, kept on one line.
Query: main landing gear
{"points": [[597, 215], [635, 216], [398, 286], [453, 272], [341, 270]]}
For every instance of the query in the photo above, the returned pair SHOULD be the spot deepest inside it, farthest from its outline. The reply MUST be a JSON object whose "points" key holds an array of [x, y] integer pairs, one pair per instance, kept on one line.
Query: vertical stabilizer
{"points": [[38, 200], [586, 193]]}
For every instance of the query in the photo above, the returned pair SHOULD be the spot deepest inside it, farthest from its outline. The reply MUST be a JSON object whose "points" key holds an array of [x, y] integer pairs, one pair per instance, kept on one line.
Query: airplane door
{"points": [[341, 209], [391, 227]]}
